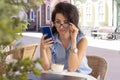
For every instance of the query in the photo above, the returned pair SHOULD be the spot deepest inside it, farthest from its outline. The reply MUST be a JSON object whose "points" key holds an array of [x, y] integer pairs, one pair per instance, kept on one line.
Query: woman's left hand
{"points": [[73, 31]]}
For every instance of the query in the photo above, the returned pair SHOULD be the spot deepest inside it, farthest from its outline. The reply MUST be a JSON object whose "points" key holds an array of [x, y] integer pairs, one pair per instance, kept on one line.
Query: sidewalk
{"points": [[100, 43], [106, 44]]}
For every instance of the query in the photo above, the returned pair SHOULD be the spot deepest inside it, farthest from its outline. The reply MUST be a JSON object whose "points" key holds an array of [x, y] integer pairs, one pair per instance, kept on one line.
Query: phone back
{"points": [[47, 30]]}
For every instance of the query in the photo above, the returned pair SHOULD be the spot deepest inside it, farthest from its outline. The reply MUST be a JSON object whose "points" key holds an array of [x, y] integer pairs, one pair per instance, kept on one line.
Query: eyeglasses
{"points": [[58, 24]]}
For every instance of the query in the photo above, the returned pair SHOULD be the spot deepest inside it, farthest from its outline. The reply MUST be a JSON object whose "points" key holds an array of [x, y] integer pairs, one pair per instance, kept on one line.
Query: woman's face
{"points": [[61, 24]]}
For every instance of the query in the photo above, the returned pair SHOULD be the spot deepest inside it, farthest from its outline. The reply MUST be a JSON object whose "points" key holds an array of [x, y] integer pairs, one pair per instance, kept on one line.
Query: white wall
{"points": [[115, 14], [110, 15]]}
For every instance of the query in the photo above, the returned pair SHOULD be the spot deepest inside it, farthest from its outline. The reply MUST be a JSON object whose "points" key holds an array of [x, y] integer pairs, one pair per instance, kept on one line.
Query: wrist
{"points": [[74, 50], [73, 38], [42, 48], [73, 45]]}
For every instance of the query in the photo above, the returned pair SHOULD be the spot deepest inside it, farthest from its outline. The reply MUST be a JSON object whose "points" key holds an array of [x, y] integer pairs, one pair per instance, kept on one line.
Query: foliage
{"points": [[18, 70], [10, 25]]}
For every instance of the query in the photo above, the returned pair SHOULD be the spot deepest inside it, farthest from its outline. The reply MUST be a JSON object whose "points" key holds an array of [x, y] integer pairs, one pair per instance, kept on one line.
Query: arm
{"points": [[45, 53], [75, 60]]}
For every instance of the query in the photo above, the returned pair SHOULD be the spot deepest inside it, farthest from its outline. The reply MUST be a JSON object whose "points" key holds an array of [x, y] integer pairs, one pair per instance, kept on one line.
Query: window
{"points": [[101, 11], [88, 12], [48, 12]]}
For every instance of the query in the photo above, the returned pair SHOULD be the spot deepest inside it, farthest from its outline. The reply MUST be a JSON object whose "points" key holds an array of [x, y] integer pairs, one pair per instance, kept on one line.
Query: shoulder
{"points": [[81, 39], [80, 36], [84, 39]]}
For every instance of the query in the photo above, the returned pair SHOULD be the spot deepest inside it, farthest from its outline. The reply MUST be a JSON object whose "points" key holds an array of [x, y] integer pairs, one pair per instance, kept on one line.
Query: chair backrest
{"points": [[27, 51], [98, 65], [11, 45]]}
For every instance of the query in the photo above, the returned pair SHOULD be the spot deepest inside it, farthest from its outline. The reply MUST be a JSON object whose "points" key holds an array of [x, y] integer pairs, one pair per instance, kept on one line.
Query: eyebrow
{"points": [[60, 20]]}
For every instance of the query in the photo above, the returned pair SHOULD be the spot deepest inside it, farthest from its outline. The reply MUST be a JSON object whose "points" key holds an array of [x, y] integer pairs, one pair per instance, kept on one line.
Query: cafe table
{"points": [[65, 75]]}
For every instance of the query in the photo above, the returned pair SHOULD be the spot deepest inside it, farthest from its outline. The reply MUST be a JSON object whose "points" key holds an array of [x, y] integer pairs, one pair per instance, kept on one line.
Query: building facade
{"points": [[42, 15], [93, 13], [98, 13]]}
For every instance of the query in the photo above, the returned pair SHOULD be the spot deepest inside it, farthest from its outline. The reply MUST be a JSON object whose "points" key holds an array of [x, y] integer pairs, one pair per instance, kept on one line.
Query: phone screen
{"points": [[47, 30]]}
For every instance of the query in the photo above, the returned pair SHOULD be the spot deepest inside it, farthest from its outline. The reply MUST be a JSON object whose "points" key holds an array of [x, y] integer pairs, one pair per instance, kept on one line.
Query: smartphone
{"points": [[47, 30]]}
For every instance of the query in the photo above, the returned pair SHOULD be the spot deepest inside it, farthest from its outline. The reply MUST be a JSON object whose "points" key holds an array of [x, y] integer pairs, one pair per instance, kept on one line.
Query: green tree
{"points": [[10, 26], [10, 23]]}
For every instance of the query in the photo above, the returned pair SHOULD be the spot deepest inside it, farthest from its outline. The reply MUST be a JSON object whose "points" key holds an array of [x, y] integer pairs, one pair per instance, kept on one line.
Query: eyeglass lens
{"points": [[58, 24]]}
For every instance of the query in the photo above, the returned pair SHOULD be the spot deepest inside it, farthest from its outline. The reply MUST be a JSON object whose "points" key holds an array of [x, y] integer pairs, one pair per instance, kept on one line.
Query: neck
{"points": [[64, 38]]}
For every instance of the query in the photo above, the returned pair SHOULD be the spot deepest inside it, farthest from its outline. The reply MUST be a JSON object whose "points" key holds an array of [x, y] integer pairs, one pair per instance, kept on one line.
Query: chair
{"points": [[98, 65], [27, 51], [11, 45], [23, 52]]}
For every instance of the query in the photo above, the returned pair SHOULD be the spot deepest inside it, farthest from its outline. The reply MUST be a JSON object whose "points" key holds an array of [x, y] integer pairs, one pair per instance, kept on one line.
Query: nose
{"points": [[61, 25]]}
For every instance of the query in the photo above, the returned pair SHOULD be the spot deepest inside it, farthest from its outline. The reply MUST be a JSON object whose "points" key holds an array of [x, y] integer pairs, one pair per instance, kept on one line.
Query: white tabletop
{"points": [[65, 72]]}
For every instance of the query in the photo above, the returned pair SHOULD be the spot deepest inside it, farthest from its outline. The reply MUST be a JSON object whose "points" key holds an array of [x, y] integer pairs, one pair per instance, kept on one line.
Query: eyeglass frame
{"points": [[62, 24]]}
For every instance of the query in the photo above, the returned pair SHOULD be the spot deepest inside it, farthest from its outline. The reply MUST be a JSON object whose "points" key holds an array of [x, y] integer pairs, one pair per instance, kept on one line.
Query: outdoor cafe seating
{"points": [[98, 65], [23, 51], [29, 51]]}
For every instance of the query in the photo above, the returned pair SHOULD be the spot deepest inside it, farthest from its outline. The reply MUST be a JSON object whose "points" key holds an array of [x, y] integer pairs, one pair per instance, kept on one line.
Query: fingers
{"points": [[43, 37], [73, 28], [46, 42]]}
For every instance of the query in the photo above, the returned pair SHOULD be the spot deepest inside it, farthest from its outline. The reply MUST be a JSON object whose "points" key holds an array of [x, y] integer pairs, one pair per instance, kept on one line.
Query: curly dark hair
{"points": [[69, 11]]}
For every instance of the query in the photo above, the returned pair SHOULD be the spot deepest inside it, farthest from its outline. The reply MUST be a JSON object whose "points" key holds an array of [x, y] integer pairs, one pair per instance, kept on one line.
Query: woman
{"points": [[69, 44]]}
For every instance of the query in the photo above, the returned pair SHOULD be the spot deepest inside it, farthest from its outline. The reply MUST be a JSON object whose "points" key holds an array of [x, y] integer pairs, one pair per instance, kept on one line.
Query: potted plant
{"points": [[10, 25]]}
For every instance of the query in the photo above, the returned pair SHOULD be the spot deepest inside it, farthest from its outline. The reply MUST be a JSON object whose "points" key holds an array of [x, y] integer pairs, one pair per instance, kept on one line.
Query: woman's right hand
{"points": [[45, 52], [45, 43]]}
